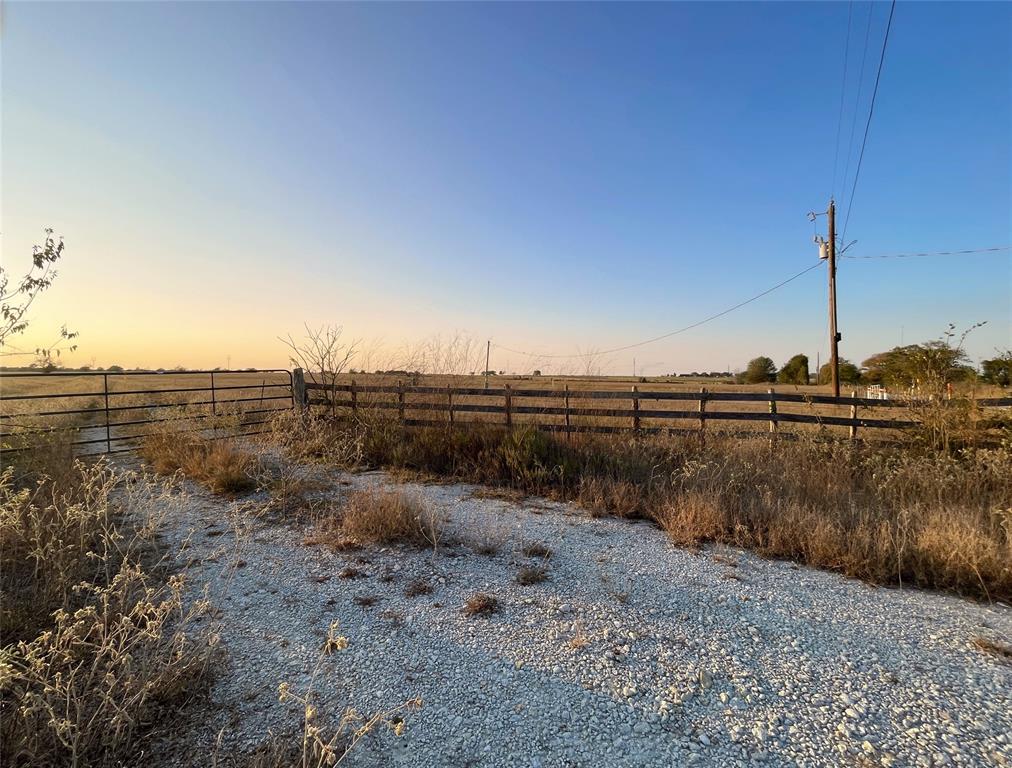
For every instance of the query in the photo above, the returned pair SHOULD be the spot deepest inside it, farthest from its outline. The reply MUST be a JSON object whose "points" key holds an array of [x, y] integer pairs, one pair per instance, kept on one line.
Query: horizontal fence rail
{"points": [[112, 411], [571, 410]]}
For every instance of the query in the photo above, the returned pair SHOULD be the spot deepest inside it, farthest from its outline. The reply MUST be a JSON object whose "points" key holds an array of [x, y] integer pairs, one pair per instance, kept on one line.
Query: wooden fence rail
{"points": [[506, 404]]}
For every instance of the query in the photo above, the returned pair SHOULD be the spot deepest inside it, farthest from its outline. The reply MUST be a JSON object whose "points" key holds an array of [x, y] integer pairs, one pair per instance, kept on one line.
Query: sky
{"points": [[558, 178]]}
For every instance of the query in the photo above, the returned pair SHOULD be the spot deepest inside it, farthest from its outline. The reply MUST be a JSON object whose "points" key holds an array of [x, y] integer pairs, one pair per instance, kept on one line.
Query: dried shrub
{"points": [[95, 647], [531, 575], [219, 465], [418, 587], [1002, 651], [888, 513], [385, 517], [481, 604], [536, 549]]}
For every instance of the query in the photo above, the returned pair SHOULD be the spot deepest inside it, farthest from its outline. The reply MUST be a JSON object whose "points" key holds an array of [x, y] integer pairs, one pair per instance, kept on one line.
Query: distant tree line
{"points": [[930, 364]]}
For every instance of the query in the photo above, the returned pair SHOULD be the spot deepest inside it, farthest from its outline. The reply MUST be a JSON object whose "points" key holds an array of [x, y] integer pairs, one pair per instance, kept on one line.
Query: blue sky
{"points": [[555, 177]]}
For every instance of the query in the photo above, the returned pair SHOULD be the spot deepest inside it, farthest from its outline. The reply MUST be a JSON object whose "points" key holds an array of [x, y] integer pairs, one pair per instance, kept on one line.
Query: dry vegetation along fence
{"points": [[649, 411]]}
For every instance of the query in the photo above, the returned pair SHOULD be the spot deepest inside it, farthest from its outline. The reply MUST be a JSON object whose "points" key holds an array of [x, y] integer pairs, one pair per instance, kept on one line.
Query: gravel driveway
{"points": [[631, 653]]}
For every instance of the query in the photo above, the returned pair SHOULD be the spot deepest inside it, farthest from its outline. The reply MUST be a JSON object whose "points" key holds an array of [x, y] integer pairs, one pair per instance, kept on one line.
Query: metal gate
{"points": [[111, 411]]}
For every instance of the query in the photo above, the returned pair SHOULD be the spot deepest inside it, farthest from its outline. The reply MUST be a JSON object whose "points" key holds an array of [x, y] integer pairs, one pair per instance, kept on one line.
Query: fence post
{"points": [[702, 415], [773, 416], [214, 408], [108, 434], [299, 399], [853, 416], [449, 400], [568, 431], [636, 410], [400, 401], [509, 406], [354, 397]]}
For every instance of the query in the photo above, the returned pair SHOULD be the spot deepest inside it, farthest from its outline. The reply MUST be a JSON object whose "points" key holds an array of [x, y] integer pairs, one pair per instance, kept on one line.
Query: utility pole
{"points": [[834, 335], [488, 349]]}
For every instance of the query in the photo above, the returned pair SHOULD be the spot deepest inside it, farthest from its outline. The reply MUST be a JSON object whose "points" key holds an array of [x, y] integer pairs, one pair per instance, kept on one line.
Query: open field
{"points": [[137, 402]]}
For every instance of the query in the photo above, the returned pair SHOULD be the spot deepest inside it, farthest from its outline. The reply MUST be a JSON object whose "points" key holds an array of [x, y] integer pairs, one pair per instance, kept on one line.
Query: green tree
{"points": [[998, 370], [795, 371], [931, 364], [759, 370], [849, 373]]}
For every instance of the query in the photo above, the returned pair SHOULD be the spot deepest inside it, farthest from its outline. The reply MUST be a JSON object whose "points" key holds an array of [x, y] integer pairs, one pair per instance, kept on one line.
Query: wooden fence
{"points": [[647, 411]]}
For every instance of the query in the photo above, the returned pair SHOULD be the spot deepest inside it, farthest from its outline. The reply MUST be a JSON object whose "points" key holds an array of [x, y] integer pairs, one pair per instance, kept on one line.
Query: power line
{"points": [[843, 91], [934, 253], [671, 333], [867, 125], [857, 98]]}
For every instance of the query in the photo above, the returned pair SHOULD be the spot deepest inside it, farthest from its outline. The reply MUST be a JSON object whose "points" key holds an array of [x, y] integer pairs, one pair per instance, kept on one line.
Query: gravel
{"points": [[631, 653]]}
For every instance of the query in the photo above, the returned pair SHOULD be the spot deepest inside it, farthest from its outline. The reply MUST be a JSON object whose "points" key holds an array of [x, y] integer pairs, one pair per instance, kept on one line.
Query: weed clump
{"points": [[536, 549], [95, 647], [481, 604], [417, 588], [219, 465], [386, 517], [531, 575]]}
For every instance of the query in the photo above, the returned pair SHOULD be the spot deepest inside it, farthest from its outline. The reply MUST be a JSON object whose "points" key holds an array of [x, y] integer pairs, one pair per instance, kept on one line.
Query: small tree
{"points": [[849, 373], [795, 371], [322, 355], [759, 370], [928, 366], [16, 301], [998, 370]]}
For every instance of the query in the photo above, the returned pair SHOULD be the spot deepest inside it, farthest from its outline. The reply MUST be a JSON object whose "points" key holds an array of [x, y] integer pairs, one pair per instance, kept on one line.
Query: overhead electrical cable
{"points": [[995, 249], [867, 125], [857, 98], [843, 92], [668, 335]]}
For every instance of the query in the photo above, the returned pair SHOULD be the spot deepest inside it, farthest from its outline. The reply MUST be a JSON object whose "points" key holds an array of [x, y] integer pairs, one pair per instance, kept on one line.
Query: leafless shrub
{"points": [[322, 355]]}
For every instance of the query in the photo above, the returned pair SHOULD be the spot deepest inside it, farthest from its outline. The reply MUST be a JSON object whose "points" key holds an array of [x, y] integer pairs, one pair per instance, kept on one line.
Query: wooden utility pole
{"points": [[488, 349], [834, 335]]}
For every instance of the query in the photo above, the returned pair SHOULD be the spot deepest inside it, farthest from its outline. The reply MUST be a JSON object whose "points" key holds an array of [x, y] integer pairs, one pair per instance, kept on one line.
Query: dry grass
{"points": [[417, 588], [536, 549], [1001, 650], [386, 517], [366, 601], [219, 465], [96, 646], [511, 495], [531, 575], [481, 604], [580, 638], [887, 513]]}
